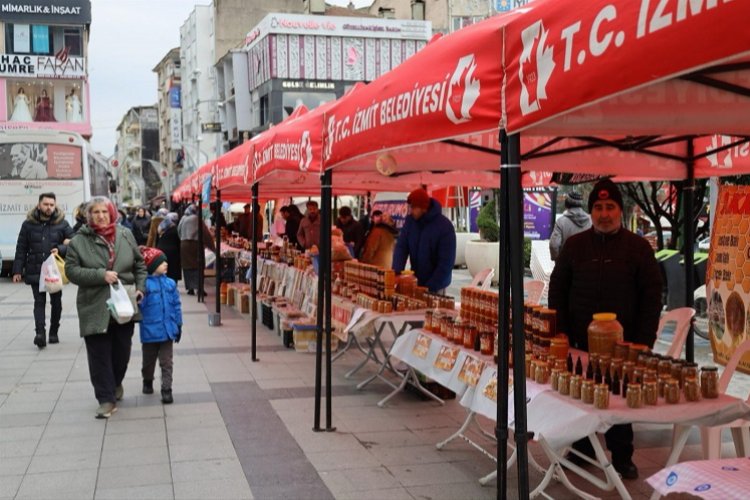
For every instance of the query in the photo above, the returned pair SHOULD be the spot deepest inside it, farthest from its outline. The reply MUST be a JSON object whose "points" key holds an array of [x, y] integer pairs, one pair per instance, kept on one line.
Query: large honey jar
{"points": [[603, 333]]}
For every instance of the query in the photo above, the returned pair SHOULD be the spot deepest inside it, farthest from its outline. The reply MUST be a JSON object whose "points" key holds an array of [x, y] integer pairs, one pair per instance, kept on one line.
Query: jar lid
{"points": [[604, 316], [710, 368]]}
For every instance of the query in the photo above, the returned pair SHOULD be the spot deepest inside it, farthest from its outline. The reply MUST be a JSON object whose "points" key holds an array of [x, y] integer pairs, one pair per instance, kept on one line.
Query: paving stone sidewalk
{"points": [[238, 429]]}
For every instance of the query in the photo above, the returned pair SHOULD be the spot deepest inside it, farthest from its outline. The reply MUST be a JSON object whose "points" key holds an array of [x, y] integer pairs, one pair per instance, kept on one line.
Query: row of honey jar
{"points": [[453, 329], [481, 305]]}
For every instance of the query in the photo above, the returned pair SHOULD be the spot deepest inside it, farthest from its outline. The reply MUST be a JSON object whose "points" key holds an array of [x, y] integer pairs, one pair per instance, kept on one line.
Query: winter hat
{"points": [[573, 200], [153, 258], [419, 198], [605, 189]]}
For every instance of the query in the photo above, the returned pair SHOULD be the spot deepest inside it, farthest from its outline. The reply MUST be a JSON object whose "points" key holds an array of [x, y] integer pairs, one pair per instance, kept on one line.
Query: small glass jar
{"points": [[553, 378], [587, 391], [541, 376], [652, 361], [487, 343], [437, 321], [634, 350], [528, 365], [637, 377], [677, 365], [470, 338], [601, 397], [650, 375], [688, 370], [575, 387], [650, 393], [531, 372], [561, 364], [559, 347], [672, 391], [635, 396], [661, 385], [446, 325], [642, 359], [628, 368], [665, 366], [427, 318], [709, 382], [621, 350], [616, 368], [691, 389], [563, 383]]}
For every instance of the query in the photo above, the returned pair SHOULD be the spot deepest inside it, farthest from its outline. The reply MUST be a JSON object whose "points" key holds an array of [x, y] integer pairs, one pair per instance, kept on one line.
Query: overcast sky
{"points": [[129, 38]]}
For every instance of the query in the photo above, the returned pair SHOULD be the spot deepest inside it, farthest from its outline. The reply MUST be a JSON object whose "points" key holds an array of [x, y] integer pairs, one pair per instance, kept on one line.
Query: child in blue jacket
{"points": [[161, 325]]}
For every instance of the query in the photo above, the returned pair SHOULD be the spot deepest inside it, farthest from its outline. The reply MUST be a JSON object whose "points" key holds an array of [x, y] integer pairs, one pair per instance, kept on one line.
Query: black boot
{"points": [[190, 291], [53, 339], [166, 396], [39, 340], [148, 386]]}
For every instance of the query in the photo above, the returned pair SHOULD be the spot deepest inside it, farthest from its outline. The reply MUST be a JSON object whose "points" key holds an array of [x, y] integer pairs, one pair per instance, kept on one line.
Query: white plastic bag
{"points": [[210, 258], [50, 279], [119, 303]]}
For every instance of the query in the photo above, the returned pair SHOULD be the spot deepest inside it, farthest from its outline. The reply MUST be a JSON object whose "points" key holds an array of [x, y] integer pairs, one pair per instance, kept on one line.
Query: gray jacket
{"points": [[573, 221]]}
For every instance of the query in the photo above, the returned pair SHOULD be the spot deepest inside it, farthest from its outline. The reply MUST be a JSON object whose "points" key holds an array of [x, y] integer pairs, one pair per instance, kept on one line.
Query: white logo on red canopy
{"points": [[305, 151], [536, 67], [720, 159], [463, 90]]}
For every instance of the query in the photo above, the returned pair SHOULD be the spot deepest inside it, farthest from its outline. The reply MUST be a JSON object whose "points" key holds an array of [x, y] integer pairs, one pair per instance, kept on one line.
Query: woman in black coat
{"points": [[168, 242]]}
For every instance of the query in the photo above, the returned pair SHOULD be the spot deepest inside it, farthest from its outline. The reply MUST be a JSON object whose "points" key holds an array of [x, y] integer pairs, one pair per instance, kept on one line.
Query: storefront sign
{"points": [[305, 84], [537, 214], [300, 24], [175, 128], [211, 127], [397, 209], [42, 66], [728, 275], [46, 11]]}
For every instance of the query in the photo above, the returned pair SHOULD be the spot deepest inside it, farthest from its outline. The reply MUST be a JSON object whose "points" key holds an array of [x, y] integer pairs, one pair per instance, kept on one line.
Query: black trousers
{"points": [[109, 355], [40, 302], [619, 439], [163, 352]]}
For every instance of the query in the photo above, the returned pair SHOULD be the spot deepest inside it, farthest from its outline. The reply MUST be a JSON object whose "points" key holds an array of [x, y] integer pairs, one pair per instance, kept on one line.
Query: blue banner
{"points": [[397, 209], [175, 97], [206, 195], [40, 39]]}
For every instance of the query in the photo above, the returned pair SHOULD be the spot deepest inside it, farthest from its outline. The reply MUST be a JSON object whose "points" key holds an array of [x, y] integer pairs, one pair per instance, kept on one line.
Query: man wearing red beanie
{"points": [[428, 240]]}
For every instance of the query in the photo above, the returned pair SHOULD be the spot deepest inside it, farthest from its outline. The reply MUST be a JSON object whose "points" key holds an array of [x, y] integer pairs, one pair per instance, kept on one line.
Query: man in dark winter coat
{"points": [[45, 231], [352, 229], [573, 221], [141, 224], [607, 269], [428, 239]]}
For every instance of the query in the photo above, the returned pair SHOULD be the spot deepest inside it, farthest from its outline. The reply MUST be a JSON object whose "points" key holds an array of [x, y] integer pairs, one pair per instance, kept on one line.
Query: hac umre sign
{"points": [[75, 12], [728, 275]]}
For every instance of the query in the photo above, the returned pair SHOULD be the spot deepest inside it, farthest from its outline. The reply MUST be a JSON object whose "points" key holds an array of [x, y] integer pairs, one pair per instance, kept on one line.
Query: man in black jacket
{"points": [[45, 231], [607, 269]]}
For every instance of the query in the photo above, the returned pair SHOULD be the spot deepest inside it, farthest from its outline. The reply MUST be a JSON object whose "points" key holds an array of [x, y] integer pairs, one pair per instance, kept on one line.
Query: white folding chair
{"points": [[534, 291], [677, 321], [740, 428], [483, 279]]}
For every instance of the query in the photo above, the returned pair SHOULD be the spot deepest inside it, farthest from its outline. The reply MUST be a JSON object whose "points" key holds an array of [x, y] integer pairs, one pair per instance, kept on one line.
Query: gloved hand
{"points": [[179, 334]]}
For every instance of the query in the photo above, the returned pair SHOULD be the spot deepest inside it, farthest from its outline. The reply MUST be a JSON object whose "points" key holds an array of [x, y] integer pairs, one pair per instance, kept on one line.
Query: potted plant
{"points": [[484, 252]]}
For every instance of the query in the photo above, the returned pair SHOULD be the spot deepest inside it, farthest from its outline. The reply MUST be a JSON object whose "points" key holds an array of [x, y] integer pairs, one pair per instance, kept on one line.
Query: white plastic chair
{"points": [[677, 320], [534, 290], [483, 279], [740, 428]]}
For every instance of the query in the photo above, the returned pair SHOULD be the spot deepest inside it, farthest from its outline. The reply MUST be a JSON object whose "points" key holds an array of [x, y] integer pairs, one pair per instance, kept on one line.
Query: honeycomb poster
{"points": [[728, 275]]}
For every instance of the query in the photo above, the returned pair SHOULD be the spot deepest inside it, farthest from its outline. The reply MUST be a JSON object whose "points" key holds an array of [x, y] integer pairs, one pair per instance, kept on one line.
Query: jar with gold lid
{"points": [[688, 370], [691, 389], [601, 397], [603, 333], [650, 393], [628, 368], [661, 385], [635, 396], [672, 391], [587, 391], [665, 366], [677, 365], [531, 372], [575, 387], [650, 375], [652, 362], [563, 384], [709, 382]]}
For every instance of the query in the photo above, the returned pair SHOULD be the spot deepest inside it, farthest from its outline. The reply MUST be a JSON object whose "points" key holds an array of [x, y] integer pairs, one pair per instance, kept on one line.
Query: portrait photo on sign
{"points": [[23, 161]]}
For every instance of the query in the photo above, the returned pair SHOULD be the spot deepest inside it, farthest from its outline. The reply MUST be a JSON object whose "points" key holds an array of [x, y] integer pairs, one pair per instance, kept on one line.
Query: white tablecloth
{"points": [[709, 479]]}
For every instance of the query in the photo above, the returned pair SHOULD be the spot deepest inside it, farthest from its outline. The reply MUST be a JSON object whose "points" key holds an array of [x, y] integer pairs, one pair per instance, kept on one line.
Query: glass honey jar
{"points": [[587, 391], [575, 387], [709, 382], [635, 396], [563, 384], [691, 389], [601, 397], [672, 391], [650, 393]]}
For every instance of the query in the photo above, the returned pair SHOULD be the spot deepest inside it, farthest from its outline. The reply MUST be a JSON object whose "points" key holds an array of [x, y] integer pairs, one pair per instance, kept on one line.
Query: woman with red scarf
{"points": [[102, 253]]}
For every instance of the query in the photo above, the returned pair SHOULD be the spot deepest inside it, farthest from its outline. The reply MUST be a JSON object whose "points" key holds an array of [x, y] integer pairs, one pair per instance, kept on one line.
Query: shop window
{"points": [[265, 112], [39, 101], [311, 100], [73, 41]]}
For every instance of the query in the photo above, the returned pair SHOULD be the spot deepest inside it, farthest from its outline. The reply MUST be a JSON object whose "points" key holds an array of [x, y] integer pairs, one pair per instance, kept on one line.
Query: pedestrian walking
{"points": [[104, 253], [161, 323], [573, 221], [168, 241], [187, 230], [44, 232], [141, 224]]}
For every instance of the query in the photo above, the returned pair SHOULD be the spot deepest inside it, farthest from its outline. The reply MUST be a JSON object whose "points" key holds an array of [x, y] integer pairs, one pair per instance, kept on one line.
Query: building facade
{"points": [[169, 105], [296, 59], [139, 179], [43, 65]]}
